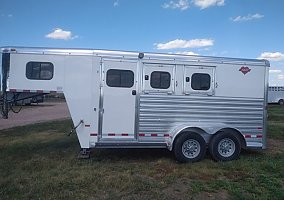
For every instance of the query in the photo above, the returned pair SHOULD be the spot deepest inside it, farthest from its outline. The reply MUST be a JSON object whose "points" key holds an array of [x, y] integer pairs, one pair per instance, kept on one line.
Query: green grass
{"points": [[40, 162], [275, 122]]}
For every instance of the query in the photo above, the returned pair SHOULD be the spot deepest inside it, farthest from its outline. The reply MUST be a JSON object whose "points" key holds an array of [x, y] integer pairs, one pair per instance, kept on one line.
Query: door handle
{"points": [[133, 92]]}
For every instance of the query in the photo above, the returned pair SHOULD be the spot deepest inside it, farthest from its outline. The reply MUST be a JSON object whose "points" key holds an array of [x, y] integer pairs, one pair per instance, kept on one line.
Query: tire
{"points": [[225, 146], [34, 100], [189, 147], [281, 102]]}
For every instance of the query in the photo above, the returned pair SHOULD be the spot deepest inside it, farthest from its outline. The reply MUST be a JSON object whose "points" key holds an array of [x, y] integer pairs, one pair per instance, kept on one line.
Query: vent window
{"points": [[160, 80], [200, 81]]}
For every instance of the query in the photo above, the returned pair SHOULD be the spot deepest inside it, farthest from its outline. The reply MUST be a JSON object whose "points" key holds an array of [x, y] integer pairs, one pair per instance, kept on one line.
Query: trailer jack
{"points": [[84, 153], [74, 128]]}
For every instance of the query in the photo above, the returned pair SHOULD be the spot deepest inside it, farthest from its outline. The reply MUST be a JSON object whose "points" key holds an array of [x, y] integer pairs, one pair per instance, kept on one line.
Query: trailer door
{"points": [[118, 99]]}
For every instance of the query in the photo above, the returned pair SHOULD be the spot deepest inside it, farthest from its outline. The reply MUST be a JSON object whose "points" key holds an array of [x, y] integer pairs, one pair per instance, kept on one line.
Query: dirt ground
{"points": [[36, 114]]}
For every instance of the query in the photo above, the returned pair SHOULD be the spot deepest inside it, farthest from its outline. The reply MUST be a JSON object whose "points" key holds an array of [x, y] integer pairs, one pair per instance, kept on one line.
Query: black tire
{"points": [[225, 146], [189, 147], [34, 100], [281, 102]]}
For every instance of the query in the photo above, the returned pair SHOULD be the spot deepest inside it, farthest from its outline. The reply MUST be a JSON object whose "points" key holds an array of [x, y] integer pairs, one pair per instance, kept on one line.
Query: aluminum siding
{"points": [[160, 114]]}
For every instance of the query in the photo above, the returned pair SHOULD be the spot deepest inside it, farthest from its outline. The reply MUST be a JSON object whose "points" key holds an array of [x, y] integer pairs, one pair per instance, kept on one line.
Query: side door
{"points": [[199, 80], [118, 100]]}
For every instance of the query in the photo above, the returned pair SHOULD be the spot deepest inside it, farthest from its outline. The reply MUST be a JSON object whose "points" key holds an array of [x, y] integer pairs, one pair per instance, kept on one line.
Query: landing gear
{"points": [[84, 153]]}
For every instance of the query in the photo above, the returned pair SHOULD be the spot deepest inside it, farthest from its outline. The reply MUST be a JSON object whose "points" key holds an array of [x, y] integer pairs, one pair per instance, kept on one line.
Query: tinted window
{"points": [[120, 78], [200, 81], [160, 80], [39, 70]]}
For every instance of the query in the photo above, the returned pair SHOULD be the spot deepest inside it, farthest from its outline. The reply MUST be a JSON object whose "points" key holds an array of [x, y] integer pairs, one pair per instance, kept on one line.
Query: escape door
{"points": [[118, 100]]}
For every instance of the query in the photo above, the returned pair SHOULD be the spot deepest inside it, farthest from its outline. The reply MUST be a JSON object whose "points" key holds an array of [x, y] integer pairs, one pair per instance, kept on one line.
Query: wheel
{"points": [[189, 147], [281, 102], [34, 100], [225, 146]]}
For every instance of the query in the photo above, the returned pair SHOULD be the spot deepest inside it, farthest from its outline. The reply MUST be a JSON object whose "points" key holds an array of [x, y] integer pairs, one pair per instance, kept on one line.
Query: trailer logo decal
{"points": [[244, 70]]}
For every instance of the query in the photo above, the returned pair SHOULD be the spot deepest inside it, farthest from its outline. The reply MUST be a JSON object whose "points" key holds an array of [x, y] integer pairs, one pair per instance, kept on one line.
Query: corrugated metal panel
{"points": [[162, 113]]}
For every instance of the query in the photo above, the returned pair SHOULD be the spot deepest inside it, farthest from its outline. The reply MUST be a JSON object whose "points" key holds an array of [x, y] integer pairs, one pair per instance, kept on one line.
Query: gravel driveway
{"points": [[35, 114]]}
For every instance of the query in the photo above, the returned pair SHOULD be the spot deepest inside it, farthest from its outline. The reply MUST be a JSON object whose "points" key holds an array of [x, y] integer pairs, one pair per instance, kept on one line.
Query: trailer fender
{"points": [[206, 130]]}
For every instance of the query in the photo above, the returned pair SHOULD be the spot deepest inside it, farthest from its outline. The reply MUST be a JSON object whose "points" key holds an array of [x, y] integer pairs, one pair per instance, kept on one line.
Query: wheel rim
{"points": [[191, 148], [226, 147]]}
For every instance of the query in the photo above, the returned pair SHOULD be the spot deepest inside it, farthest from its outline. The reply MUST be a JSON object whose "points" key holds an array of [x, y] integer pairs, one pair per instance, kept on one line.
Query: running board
{"points": [[130, 145]]}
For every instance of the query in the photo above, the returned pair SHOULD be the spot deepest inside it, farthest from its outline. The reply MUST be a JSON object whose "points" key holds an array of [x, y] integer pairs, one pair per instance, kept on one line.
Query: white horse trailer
{"points": [[276, 94], [121, 99]]}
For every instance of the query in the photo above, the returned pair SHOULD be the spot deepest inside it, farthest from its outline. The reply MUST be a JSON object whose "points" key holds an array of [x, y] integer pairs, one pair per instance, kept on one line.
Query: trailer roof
{"points": [[132, 55]]}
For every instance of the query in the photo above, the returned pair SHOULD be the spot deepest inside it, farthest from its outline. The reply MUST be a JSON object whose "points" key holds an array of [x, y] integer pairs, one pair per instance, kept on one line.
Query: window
{"points": [[200, 81], [160, 80], [39, 70], [120, 78]]}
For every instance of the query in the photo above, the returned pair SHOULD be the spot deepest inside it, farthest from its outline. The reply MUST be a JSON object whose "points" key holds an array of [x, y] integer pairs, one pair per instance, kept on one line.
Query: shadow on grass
{"points": [[149, 155], [131, 154], [251, 152]]}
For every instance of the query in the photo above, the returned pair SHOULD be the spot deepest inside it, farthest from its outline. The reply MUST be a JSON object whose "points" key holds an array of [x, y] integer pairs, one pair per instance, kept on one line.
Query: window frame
{"points": [[199, 83], [160, 82], [121, 71], [33, 63]]}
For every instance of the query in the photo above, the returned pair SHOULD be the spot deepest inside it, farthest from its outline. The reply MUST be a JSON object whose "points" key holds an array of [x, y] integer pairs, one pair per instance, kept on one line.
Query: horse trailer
{"points": [[276, 94], [120, 99]]}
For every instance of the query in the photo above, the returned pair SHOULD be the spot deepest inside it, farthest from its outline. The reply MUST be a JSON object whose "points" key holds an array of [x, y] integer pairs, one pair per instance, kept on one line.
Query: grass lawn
{"points": [[40, 162]]}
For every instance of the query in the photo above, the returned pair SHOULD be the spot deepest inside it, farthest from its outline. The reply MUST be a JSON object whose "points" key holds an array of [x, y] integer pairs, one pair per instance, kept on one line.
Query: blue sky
{"points": [[230, 28]]}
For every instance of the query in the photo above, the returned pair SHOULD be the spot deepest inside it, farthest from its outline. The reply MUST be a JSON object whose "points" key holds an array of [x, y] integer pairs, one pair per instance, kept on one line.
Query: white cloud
{"points": [[185, 4], [178, 44], [272, 56], [59, 34], [280, 76], [275, 71], [276, 81], [247, 18], [180, 4], [116, 3], [276, 77], [5, 15], [208, 3], [189, 53]]}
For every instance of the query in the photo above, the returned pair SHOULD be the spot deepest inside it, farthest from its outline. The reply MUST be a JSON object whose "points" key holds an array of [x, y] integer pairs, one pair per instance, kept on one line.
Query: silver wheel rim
{"points": [[226, 147], [191, 148]]}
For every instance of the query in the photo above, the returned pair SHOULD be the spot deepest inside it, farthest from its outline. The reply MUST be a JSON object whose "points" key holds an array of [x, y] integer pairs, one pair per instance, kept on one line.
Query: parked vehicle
{"points": [[276, 94], [24, 98], [120, 99]]}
